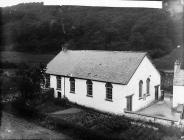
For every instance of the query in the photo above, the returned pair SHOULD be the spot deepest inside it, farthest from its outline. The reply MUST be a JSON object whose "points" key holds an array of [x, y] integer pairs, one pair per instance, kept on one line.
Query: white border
{"points": [[106, 3]]}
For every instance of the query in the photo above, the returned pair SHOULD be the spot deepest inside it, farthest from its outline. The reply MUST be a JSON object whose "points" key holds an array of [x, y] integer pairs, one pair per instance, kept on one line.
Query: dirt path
{"points": [[16, 128]]}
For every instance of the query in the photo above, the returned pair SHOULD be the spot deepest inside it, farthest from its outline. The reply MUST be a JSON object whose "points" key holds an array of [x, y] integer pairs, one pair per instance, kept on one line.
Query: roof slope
{"points": [[109, 66]]}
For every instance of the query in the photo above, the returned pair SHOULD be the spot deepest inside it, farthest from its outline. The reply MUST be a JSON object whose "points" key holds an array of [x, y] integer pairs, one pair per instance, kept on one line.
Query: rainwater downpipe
{"points": [[64, 86]]}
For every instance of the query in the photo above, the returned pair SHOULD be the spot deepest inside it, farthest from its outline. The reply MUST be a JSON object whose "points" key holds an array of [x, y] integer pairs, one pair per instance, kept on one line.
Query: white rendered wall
{"points": [[178, 95], [98, 101], [145, 70]]}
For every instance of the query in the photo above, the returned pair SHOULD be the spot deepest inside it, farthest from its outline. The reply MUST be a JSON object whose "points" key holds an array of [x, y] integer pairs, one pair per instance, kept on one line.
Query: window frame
{"points": [[89, 87], [72, 85], [109, 88], [58, 82], [140, 89]]}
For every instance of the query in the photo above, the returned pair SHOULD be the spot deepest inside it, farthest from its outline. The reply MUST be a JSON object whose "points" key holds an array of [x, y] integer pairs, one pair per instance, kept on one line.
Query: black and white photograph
{"points": [[92, 69]]}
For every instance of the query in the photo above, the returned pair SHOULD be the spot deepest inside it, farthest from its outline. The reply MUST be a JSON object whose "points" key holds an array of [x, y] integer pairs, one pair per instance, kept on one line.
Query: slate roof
{"points": [[107, 66]]}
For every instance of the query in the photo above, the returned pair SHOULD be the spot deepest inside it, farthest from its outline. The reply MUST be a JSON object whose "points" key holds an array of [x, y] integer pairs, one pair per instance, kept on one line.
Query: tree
{"points": [[28, 79], [137, 41]]}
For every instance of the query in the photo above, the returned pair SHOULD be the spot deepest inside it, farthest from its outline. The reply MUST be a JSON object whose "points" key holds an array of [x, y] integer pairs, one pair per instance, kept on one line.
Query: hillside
{"points": [[37, 28], [167, 62]]}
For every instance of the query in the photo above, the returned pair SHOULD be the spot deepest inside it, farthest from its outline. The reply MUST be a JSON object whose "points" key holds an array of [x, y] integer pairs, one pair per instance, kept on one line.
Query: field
{"points": [[20, 57]]}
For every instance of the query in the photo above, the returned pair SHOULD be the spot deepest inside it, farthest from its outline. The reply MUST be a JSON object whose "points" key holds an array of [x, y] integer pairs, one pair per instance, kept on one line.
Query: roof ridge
{"points": [[108, 51]]}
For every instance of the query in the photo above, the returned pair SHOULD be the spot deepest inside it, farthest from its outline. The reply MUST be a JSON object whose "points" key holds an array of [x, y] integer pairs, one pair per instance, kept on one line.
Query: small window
{"points": [[72, 85], [47, 85], [140, 88], [148, 86], [58, 78], [89, 88], [108, 91]]}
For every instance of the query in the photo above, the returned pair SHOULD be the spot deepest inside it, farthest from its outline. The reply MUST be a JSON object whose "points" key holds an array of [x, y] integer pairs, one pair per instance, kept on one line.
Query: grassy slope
{"points": [[18, 57]]}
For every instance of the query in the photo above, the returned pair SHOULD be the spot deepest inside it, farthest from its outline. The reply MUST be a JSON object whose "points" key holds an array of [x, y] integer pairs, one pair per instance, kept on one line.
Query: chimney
{"points": [[177, 65], [64, 49]]}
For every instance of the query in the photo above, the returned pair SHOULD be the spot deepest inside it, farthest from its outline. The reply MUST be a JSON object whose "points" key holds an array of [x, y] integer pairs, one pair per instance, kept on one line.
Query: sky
{"points": [[106, 3]]}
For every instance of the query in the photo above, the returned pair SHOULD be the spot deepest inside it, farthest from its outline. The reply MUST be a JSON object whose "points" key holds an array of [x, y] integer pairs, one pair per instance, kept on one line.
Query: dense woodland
{"points": [[37, 28]]}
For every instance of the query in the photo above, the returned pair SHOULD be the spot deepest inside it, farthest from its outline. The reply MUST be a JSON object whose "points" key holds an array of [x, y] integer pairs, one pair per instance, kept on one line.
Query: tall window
{"points": [[108, 91], [148, 86], [72, 85], [140, 88], [89, 88], [47, 85], [58, 79]]}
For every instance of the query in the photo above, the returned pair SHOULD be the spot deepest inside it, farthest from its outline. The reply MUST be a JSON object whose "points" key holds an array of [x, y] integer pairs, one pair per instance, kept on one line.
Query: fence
{"points": [[154, 119]]}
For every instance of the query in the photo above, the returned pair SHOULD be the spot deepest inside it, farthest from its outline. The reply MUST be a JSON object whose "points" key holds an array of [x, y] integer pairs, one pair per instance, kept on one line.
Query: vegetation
{"points": [[87, 124], [110, 126], [37, 28], [23, 57]]}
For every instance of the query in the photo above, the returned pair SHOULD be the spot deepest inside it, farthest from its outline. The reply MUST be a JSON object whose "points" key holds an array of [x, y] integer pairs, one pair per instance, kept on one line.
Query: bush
{"points": [[79, 131], [170, 131], [21, 108], [48, 95], [60, 102]]}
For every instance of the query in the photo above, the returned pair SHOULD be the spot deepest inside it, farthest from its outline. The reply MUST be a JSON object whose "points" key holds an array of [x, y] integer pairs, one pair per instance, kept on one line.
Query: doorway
{"points": [[59, 95], [156, 92], [129, 103]]}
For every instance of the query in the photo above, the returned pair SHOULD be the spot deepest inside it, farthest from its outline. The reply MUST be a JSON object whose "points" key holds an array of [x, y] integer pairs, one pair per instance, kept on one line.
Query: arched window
{"points": [[148, 86], [72, 85], [108, 91], [89, 88], [140, 88]]}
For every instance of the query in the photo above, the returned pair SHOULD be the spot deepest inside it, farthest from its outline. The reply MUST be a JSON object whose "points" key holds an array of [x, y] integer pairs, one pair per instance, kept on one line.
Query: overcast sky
{"points": [[110, 3]]}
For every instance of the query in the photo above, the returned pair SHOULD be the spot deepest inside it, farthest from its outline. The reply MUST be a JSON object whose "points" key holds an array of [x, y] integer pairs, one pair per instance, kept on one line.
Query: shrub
{"points": [[60, 102], [170, 131], [21, 108], [48, 95]]}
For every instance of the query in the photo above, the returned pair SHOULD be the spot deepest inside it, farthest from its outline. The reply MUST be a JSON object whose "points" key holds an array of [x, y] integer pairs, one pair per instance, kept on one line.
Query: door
{"points": [[129, 103], [156, 92], [59, 95]]}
